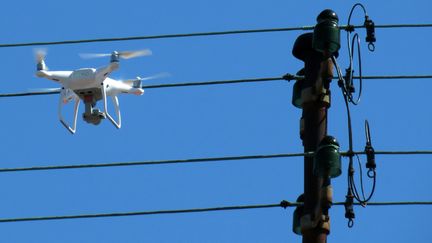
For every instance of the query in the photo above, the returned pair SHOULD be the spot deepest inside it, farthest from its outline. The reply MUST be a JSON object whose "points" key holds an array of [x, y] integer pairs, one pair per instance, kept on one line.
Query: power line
{"points": [[394, 77], [197, 160], [223, 82], [123, 214], [156, 162], [390, 203], [418, 152], [386, 26], [283, 204], [213, 33]]}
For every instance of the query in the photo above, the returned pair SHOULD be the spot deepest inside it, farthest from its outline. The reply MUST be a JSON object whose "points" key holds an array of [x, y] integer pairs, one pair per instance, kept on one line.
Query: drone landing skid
{"points": [[117, 123], [62, 120], [91, 112]]}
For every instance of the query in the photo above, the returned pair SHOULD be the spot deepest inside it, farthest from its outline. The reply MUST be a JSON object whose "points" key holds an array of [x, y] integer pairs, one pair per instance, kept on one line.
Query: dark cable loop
{"points": [[371, 47], [350, 154], [350, 88], [371, 173], [353, 186], [351, 82], [352, 10], [361, 177], [350, 223]]}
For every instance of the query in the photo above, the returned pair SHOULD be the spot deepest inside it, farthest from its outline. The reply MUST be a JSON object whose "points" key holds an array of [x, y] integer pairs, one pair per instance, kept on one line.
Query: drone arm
{"points": [[117, 123], [57, 76], [62, 120], [106, 70]]}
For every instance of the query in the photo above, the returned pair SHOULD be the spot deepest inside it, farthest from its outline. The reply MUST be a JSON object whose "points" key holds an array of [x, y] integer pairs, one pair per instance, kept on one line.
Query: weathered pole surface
{"points": [[315, 96]]}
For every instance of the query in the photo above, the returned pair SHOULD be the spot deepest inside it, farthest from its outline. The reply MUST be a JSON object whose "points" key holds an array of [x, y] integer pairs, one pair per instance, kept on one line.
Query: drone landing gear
{"points": [[92, 114], [90, 96], [116, 107], [63, 100]]}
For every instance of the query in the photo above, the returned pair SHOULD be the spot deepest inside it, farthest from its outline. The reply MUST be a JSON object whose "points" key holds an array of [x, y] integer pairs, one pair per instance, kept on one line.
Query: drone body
{"points": [[91, 85]]}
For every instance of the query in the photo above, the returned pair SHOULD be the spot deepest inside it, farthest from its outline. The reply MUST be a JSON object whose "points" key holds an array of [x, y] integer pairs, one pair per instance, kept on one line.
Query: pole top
{"points": [[327, 14]]}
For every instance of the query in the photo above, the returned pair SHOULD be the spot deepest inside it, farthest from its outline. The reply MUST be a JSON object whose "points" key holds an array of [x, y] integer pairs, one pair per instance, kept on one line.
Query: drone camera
{"points": [[95, 117]]}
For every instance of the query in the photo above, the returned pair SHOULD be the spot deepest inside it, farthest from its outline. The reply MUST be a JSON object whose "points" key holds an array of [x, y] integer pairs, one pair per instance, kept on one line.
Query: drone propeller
{"points": [[40, 54], [159, 75], [121, 54], [136, 83]]}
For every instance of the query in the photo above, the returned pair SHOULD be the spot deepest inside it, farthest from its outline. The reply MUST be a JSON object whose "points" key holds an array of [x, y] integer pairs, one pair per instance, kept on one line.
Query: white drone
{"points": [[91, 85]]}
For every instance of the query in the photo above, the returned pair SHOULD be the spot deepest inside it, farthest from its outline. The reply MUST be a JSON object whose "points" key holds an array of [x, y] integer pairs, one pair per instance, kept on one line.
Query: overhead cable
{"points": [[223, 82], [213, 33], [155, 162], [197, 160], [283, 204]]}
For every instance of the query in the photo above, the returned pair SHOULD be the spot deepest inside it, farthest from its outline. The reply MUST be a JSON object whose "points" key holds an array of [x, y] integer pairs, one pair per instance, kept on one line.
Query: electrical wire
{"points": [[214, 33], [123, 214], [352, 188], [197, 160], [284, 204], [350, 70], [156, 162], [400, 152], [223, 82]]}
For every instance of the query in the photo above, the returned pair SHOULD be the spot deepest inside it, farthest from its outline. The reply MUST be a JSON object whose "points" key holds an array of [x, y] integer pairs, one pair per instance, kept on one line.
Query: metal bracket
{"points": [[312, 94]]}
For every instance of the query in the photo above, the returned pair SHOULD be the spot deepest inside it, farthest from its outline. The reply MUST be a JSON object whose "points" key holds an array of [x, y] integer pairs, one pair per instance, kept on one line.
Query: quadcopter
{"points": [[91, 85]]}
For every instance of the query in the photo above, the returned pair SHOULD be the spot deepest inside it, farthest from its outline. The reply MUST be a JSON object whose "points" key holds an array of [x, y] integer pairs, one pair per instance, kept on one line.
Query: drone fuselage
{"points": [[90, 85], [88, 78]]}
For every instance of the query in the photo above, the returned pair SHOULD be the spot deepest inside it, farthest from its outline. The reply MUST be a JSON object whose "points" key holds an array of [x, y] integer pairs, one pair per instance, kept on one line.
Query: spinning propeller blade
{"points": [[132, 54], [121, 54], [40, 54], [93, 55], [134, 82], [159, 75]]}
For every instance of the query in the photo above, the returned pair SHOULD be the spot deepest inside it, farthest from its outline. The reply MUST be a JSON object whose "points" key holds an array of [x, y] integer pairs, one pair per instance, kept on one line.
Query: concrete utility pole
{"points": [[315, 52]]}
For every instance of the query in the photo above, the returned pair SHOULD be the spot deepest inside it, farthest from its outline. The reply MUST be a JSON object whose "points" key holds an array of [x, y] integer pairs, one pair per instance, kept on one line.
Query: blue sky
{"points": [[208, 121]]}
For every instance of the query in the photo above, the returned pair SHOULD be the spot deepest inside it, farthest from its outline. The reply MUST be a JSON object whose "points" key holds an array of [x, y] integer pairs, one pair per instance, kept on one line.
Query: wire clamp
{"points": [[289, 77], [350, 28], [370, 33], [285, 204], [349, 209]]}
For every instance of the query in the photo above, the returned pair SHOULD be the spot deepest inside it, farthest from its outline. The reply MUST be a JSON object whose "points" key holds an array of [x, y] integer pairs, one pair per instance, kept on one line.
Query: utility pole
{"points": [[315, 50]]}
